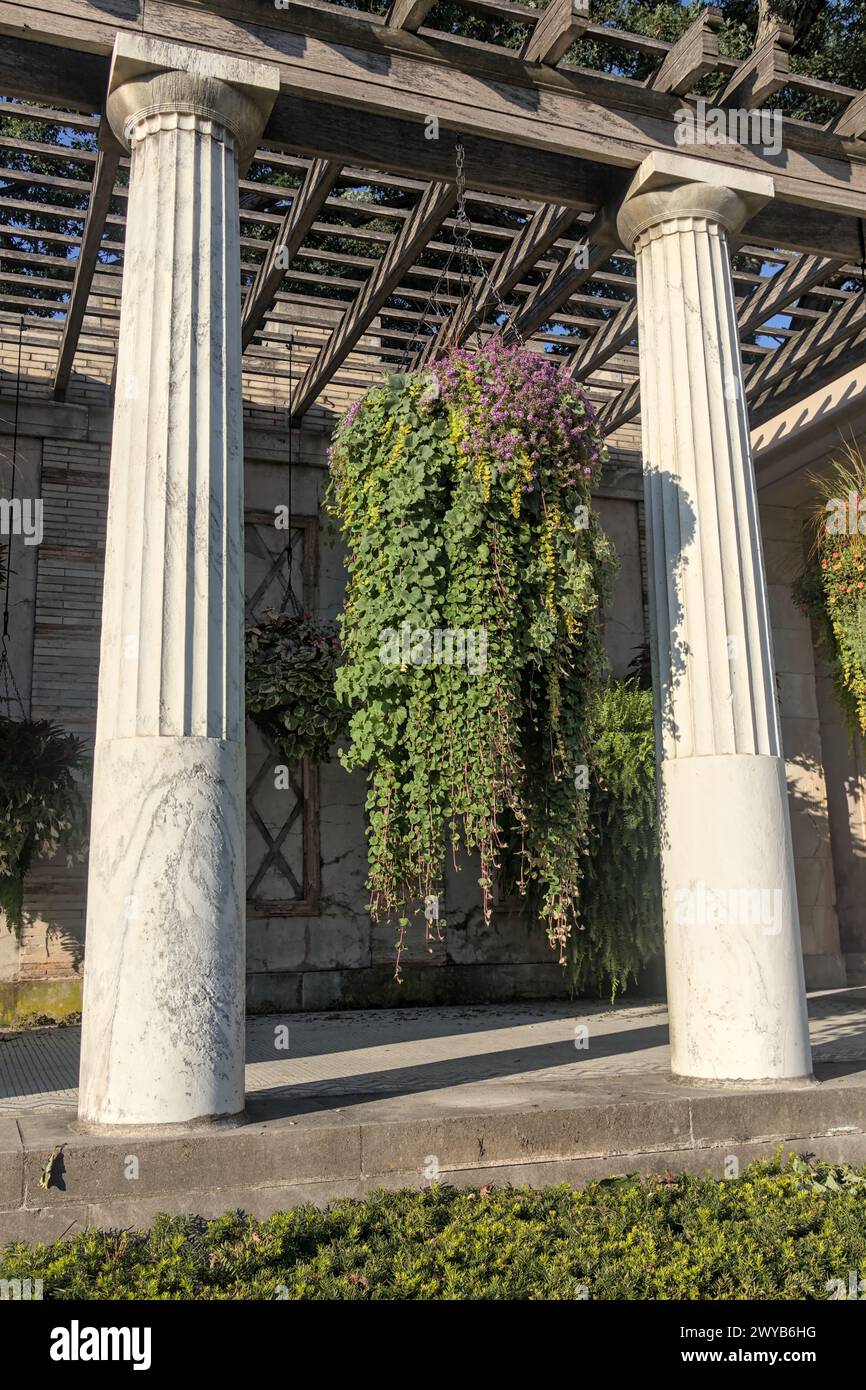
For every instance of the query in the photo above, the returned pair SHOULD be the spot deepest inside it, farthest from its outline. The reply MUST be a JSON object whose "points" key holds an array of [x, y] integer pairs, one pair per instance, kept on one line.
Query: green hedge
{"points": [[774, 1233]]}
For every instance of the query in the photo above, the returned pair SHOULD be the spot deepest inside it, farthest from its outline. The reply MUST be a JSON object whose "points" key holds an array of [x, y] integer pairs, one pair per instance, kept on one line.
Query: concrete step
{"points": [[294, 1151]]}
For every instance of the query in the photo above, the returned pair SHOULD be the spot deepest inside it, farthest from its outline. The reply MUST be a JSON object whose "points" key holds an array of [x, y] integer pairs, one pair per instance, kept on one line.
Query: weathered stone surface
{"points": [[735, 981], [164, 988]]}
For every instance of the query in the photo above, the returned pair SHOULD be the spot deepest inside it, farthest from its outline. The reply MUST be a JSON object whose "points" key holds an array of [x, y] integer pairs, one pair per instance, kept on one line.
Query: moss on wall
{"points": [[24, 1001]]}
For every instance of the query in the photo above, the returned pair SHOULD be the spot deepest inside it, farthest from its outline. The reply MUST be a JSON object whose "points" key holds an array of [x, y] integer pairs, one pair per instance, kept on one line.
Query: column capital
{"points": [[668, 186], [150, 78]]}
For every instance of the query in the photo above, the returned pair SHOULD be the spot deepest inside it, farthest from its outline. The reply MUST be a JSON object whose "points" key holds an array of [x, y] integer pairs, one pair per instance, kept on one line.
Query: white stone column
{"points": [[732, 936], [163, 1033]]}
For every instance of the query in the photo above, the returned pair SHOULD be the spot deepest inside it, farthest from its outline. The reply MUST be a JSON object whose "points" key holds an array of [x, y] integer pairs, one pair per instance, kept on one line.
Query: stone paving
{"points": [[312, 1060]]}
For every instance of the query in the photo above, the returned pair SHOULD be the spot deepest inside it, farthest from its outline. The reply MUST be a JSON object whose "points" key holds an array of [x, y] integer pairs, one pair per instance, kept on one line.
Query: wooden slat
{"points": [[561, 23], [110, 154], [619, 329], [409, 14], [852, 121], [692, 56], [764, 72], [781, 289], [620, 409], [813, 377], [581, 263], [429, 214], [342, 59], [532, 241], [812, 343], [306, 205]]}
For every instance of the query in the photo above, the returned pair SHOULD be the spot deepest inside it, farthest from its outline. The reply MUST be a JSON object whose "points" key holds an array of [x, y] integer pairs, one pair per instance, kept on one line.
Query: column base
{"points": [[766, 1083], [732, 937], [163, 1018]]}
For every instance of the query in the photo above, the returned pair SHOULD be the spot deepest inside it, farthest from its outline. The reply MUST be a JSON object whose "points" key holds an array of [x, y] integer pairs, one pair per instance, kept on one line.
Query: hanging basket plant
{"points": [[291, 663], [42, 811], [832, 588], [471, 651]]}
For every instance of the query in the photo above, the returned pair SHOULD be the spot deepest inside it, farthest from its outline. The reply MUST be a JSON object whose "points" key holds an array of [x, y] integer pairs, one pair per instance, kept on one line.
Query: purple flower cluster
{"points": [[518, 404]]}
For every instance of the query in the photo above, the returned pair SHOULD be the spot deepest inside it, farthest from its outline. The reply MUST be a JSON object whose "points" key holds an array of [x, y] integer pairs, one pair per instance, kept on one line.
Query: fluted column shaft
{"points": [[732, 939], [163, 1034]]}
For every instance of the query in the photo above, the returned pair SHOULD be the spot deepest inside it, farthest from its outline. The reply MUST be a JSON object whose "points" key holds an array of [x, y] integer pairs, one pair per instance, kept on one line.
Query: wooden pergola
{"points": [[336, 135], [346, 157]]}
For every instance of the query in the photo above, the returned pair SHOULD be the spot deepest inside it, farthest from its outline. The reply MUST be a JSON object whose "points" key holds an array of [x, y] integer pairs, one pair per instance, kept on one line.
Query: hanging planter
{"points": [[42, 811], [471, 650], [832, 589], [291, 662]]}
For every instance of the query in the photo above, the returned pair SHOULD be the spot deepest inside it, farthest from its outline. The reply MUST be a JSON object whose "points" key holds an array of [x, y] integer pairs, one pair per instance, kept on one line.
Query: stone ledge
{"points": [[347, 1146]]}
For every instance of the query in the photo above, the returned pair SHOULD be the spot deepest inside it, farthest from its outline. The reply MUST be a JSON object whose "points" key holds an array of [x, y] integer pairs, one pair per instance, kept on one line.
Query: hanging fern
{"points": [[472, 654], [291, 662], [42, 811], [621, 891]]}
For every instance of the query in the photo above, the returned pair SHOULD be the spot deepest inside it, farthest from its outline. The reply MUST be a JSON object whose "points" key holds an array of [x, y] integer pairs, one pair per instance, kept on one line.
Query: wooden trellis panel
{"points": [[283, 852]]}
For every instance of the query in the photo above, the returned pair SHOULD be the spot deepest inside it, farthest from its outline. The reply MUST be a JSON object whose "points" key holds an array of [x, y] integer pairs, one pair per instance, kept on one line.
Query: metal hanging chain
{"points": [[290, 599], [8, 684], [463, 248], [469, 255], [862, 257]]}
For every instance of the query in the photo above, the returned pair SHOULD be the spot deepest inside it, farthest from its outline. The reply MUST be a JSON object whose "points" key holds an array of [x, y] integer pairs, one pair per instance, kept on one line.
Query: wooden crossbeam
{"points": [[532, 241], [852, 122], [812, 377], [692, 57], [429, 214], [348, 61], [826, 334], [619, 329], [583, 261], [409, 14], [107, 163], [781, 289], [620, 409], [820, 339], [561, 23], [306, 205], [764, 72]]}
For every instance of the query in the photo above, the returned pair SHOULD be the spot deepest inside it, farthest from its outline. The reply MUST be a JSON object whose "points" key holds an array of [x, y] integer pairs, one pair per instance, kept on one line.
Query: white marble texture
{"points": [[164, 984], [732, 938]]}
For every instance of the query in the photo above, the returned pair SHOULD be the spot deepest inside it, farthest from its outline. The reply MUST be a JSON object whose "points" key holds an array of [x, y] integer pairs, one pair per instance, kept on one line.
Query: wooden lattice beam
{"points": [[428, 215], [352, 61], [102, 189], [620, 408], [781, 289], [531, 242], [826, 336], [306, 205], [409, 14], [562, 22], [619, 329], [764, 72], [852, 122], [822, 337], [692, 57]]}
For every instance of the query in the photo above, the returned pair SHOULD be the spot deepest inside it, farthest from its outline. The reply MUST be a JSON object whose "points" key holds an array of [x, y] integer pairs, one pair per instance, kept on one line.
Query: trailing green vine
{"points": [[621, 898], [471, 650], [291, 663], [832, 588]]}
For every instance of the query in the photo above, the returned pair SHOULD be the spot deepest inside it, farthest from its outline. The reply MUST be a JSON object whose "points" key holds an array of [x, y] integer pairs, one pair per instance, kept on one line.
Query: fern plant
{"points": [[42, 811], [621, 888]]}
